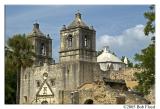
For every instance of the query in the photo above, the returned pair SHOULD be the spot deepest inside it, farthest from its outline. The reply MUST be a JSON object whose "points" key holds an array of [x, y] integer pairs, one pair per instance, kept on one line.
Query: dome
{"points": [[106, 56]]}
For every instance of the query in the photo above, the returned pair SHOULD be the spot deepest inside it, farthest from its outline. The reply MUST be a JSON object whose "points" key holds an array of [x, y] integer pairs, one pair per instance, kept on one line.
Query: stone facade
{"points": [[78, 52], [77, 79]]}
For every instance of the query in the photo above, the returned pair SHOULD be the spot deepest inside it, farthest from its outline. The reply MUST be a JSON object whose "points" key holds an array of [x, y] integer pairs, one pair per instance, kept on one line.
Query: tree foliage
{"points": [[147, 62], [150, 25], [21, 51], [10, 82], [18, 57], [146, 58]]}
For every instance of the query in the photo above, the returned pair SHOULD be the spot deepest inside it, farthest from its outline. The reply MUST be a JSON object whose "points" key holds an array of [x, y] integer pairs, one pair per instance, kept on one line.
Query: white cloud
{"points": [[128, 43]]}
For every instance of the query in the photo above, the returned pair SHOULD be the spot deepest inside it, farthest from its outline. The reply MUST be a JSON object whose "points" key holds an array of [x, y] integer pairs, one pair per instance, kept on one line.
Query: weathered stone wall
{"points": [[85, 95], [134, 99], [70, 75], [126, 74], [102, 94], [151, 96], [77, 73], [66, 97], [67, 76], [86, 76], [32, 75]]}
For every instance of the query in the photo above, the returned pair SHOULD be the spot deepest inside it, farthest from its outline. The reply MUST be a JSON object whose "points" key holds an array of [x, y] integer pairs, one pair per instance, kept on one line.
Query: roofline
{"points": [[30, 36], [76, 49], [81, 27], [111, 62]]}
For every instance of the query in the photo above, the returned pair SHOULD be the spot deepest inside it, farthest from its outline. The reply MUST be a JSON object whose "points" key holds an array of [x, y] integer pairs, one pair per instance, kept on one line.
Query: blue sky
{"points": [[118, 26]]}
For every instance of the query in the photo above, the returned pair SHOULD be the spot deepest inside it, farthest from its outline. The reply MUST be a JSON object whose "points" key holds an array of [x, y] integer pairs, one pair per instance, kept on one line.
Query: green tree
{"points": [[20, 56], [146, 78], [136, 65], [10, 81], [150, 25], [114, 53], [146, 58]]}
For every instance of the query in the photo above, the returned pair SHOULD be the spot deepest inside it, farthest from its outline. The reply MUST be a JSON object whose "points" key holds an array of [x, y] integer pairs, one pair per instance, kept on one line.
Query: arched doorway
{"points": [[88, 101], [44, 102]]}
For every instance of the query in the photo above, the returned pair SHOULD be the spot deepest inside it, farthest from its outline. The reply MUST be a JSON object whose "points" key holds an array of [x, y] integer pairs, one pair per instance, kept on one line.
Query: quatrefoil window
{"points": [[45, 75]]}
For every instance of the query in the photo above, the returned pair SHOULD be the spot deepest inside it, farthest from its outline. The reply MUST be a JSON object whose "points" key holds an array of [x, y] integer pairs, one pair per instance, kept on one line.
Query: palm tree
{"points": [[21, 56]]}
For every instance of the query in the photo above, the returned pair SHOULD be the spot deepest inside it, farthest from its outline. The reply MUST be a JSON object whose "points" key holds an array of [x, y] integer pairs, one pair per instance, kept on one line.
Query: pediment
{"points": [[45, 90]]}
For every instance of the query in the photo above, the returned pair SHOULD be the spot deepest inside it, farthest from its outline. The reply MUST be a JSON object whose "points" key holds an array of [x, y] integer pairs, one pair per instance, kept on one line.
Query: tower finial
{"points": [[78, 15], [36, 25]]}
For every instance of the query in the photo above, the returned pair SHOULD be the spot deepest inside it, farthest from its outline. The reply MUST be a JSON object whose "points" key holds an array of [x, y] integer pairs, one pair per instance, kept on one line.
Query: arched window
{"points": [[85, 41], [70, 41], [25, 77], [25, 99], [42, 49], [38, 83], [88, 101], [52, 81]]}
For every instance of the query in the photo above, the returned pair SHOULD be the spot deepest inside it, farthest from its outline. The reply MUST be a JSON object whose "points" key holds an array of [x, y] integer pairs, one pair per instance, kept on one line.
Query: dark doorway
{"points": [[120, 100], [88, 101], [44, 102]]}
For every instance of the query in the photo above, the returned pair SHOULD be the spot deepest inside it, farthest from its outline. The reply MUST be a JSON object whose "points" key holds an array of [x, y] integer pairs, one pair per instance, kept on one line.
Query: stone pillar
{"points": [[74, 97]]}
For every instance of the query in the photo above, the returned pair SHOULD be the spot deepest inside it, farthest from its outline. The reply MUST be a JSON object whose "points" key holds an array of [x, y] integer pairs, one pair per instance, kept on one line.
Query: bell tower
{"points": [[77, 41], [42, 45], [77, 52]]}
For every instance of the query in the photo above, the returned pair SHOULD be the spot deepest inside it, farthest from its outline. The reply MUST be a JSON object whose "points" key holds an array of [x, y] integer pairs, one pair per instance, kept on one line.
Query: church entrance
{"points": [[88, 101], [44, 102]]}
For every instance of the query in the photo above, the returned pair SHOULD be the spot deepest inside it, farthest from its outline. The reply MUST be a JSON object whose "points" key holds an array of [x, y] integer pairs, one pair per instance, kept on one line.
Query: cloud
{"points": [[128, 43]]}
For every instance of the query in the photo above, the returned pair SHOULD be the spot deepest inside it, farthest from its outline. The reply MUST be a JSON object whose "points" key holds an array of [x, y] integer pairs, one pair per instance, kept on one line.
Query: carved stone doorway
{"points": [[44, 102]]}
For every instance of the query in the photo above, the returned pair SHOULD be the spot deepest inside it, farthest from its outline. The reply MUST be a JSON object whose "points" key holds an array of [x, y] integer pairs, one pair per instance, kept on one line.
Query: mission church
{"points": [[79, 69]]}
